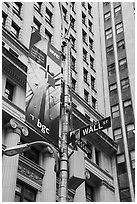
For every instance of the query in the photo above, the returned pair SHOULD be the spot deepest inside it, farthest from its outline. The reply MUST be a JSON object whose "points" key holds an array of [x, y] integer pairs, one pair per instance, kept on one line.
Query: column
{"points": [[101, 193], [80, 195], [93, 154], [48, 193], [14, 129]]}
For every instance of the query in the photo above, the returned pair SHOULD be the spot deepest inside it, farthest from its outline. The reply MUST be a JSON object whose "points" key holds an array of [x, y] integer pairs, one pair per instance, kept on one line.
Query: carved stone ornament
{"points": [[30, 174], [15, 124]]}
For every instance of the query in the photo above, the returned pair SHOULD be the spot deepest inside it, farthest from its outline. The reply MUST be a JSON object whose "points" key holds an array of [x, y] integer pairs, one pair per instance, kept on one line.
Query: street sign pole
{"points": [[65, 111]]}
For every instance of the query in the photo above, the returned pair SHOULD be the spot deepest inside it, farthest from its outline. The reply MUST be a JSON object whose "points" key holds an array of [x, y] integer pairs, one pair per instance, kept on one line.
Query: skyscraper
{"points": [[119, 35]]}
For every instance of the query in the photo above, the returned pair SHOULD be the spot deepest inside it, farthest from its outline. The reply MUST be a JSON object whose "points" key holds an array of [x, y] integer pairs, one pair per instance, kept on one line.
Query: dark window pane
{"points": [[9, 89]]}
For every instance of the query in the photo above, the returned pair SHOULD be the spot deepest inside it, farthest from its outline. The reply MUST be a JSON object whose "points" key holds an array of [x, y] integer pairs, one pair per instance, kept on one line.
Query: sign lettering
{"points": [[100, 125]]}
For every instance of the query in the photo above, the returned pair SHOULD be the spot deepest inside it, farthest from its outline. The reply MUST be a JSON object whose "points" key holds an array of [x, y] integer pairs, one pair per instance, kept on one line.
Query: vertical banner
{"points": [[43, 88]]}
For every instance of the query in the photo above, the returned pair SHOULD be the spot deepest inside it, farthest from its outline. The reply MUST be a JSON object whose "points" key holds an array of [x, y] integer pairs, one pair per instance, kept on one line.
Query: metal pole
{"points": [[63, 188]]}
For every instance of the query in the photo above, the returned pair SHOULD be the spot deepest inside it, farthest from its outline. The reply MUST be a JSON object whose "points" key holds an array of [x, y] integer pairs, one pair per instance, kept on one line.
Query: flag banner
{"points": [[34, 52], [38, 56], [44, 89]]}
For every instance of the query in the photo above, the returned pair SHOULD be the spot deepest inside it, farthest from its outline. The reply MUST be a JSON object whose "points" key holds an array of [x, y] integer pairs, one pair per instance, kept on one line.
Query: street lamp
{"points": [[24, 147]]}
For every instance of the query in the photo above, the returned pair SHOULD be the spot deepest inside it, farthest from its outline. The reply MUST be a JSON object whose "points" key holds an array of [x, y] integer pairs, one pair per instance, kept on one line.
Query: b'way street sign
{"points": [[99, 125]]}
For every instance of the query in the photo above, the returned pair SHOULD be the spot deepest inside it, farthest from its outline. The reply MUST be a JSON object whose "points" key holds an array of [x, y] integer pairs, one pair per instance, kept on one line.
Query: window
{"points": [[73, 41], [130, 130], [84, 55], [48, 16], [83, 4], [119, 28], [115, 111], [117, 134], [127, 103], [91, 62], [37, 6], [121, 44], [113, 87], [24, 193], [125, 195], [73, 6], [130, 127], [97, 156], [86, 95], [17, 7], [72, 20], [36, 24], [83, 18], [73, 63], [89, 193], [9, 90], [132, 156], [92, 82], [108, 33], [4, 17], [85, 75], [122, 63], [117, 9], [90, 25], [124, 83], [89, 9], [111, 69], [32, 154], [90, 44], [121, 164], [110, 49], [7, 4], [48, 35], [64, 13], [107, 15], [73, 84], [15, 29], [84, 36], [94, 101]]}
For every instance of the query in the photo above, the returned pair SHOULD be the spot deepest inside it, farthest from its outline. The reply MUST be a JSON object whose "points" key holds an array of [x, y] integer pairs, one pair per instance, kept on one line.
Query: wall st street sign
{"points": [[99, 125], [76, 136]]}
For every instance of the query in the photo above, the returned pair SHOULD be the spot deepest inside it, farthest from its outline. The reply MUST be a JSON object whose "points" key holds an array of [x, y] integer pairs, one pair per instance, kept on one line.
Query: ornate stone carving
{"points": [[17, 127], [30, 174]]}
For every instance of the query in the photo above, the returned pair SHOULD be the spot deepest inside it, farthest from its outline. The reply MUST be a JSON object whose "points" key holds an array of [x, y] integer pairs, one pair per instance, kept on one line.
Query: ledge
{"points": [[31, 164]]}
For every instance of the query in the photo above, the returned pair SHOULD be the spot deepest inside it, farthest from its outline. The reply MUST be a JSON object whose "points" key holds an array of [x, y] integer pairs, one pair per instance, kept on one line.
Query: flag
{"points": [[43, 90], [34, 52], [35, 37], [51, 81]]}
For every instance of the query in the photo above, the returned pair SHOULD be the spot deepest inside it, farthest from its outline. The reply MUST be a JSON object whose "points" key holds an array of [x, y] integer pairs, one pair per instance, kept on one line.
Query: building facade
{"points": [[30, 176], [119, 45]]}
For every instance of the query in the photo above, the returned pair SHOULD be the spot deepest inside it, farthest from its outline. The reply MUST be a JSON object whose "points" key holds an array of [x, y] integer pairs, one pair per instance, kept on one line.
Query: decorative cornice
{"points": [[30, 170], [105, 183], [27, 172], [14, 69], [13, 105], [14, 40], [30, 182], [31, 165]]}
